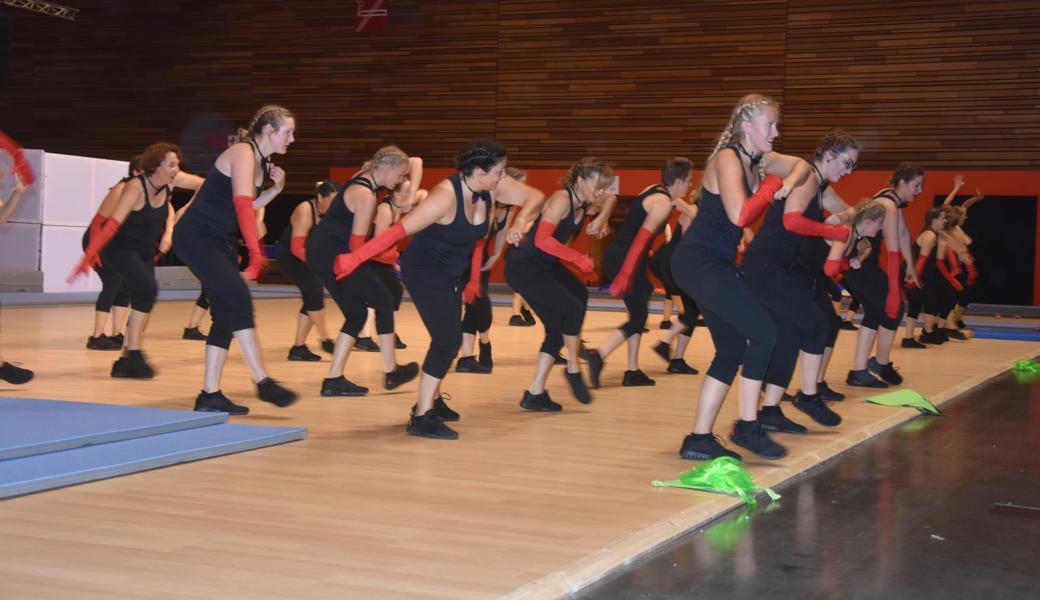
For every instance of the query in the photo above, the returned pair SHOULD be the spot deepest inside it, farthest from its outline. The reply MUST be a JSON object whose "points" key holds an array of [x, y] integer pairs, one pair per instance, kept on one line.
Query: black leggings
{"points": [[638, 294], [800, 323], [215, 262], [554, 293], [388, 275], [437, 296], [741, 328], [113, 292], [476, 318], [821, 288], [355, 294], [869, 285], [308, 283], [136, 268]]}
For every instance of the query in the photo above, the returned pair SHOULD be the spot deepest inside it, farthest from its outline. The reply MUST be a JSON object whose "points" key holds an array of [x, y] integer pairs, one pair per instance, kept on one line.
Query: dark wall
{"points": [[950, 85]]}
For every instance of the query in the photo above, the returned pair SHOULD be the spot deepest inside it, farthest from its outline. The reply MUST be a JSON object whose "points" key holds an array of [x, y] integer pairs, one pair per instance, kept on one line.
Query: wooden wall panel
{"points": [[948, 84]]}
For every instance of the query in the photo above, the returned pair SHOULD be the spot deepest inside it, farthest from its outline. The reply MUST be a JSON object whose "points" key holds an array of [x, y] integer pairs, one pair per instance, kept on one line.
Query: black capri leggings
{"points": [[554, 293], [476, 317], [113, 292], [638, 294], [869, 285], [215, 262], [437, 296], [308, 283], [388, 275], [821, 288], [742, 330], [136, 268], [355, 294]]}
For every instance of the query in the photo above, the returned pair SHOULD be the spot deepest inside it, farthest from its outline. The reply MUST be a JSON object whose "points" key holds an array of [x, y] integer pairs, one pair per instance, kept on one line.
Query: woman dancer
{"points": [[205, 240], [681, 331], [703, 265], [292, 259]]}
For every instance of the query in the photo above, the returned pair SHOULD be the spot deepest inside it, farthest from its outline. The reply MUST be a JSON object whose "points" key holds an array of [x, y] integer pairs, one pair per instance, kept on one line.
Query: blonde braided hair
{"points": [[387, 155], [747, 108], [272, 113]]}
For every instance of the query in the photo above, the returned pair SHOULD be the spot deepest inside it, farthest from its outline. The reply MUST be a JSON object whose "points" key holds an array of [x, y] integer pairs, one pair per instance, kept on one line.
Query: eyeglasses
{"points": [[850, 164]]}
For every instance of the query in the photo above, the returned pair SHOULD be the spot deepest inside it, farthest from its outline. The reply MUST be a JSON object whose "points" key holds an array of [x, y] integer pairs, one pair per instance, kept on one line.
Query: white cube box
{"points": [[20, 246], [60, 250]]}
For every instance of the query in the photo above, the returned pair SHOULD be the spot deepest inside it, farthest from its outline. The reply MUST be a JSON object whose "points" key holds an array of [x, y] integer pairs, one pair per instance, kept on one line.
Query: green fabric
{"points": [[905, 398], [1027, 366], [723, 475]]}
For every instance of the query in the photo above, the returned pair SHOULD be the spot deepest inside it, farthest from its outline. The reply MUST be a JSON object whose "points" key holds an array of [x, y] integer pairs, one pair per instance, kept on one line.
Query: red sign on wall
{"points": [[371, 15]]}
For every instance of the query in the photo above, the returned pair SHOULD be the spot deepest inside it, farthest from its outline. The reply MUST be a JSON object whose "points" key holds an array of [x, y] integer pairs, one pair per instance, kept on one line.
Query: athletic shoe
{"points": [[539, 402], [678, 365], [848, 326], [102, 342], [595, 367], [704, 446], [771, 418], [271, 391], [341, 386], [302, 352], [398, 344], [484, 355], [117, 339], [517, 321], [366, 344], [911, 343], [132, 366], [885, 371], [429, 425], [469, 364], [863, 378], [666, 324], [825, 392], [636, 378], [15, 375], [751, 435], [401, 375], [577, 383], [817, 409], [328, 346], [932, 337], [527, 316], [954, 334], [218, 402], [664, 351], [193, 333]]}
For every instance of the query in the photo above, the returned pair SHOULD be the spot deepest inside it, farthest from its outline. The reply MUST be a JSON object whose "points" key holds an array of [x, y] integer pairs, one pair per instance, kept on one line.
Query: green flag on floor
{"points": [[723, 475], [908, 398]]}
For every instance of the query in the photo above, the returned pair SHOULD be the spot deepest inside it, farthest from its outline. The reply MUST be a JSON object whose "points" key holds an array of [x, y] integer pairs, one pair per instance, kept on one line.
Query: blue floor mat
{"points": [[1001, 333]]}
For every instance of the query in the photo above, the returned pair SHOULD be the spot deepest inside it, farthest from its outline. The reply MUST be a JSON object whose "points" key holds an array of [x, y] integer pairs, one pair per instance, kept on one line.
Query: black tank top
{"points": [[142, 228], [213, 210], [565, 230], [635, 218], [450, 247], [331, 236], [775, 240], [931, 271], [712, 231], [285, 241]]}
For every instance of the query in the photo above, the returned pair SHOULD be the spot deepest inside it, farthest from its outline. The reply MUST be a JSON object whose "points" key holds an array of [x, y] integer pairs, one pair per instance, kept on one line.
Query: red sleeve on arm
{"points": [[356, 241], [624, 277], [345, 264], [893, 299], [544, 241], [472, 290], [800, 224], [832, 268], [298, 247], [758, 201], [944, 269], [952, 261]]}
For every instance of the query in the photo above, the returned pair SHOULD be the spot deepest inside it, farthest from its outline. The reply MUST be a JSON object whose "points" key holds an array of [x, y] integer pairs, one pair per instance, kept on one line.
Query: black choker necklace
{"points": [[754, 159]]}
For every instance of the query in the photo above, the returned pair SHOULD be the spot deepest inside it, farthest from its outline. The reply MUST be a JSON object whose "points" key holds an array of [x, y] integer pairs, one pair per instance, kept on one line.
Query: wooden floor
{"points": [[523, 505]]}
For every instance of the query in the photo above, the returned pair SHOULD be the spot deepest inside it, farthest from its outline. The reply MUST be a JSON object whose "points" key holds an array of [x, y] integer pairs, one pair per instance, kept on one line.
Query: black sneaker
{"points": [[751, 435], [817, 409], [864, 379], [666, 324], [954, 334], [469, 364], [678, 365], [398, 344], [193, 333], [704, 446], [885, 371], [102, 342], [539, 402], [528, 317], [911, 343], [441, 409], [271, 391], [825, 392], [218, 402], [848, 326], [595, 367], [401, 375], [341, 386], [517, 321], [771, 418], [931, 337], [132, 366], [328, 346], [15, 375], [302, 352], [366, 344], [117, 339], [636, 378], [664, 351], [941, 333], [430, 426], [484, 356], [577, 383]]}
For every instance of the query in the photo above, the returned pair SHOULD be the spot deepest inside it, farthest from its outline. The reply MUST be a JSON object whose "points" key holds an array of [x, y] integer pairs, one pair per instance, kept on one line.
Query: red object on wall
{"points": [[371, 15]]}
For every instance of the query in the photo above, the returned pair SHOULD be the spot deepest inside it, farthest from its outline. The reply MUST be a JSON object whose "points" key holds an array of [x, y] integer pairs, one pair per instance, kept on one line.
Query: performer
{"points": [[681, 331], [704, 266], [23, 178], [204, 240]]}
